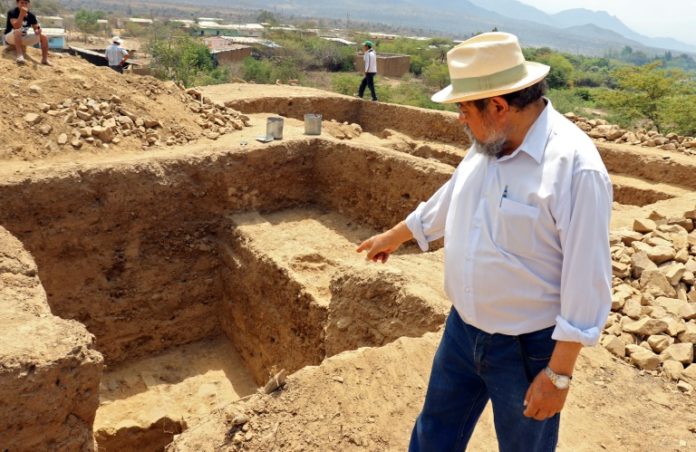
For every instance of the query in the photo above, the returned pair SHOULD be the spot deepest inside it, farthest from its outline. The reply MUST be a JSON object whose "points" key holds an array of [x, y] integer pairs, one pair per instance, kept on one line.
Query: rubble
{"points": [[653, 324], [600, 130]]}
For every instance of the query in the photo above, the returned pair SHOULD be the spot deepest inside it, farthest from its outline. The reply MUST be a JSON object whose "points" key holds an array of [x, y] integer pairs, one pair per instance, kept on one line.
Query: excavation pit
{"points": [[204, 270]]}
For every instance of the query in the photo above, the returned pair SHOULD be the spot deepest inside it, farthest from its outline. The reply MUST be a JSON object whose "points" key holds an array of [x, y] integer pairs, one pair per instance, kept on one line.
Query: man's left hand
{"points": [[543, 398]]}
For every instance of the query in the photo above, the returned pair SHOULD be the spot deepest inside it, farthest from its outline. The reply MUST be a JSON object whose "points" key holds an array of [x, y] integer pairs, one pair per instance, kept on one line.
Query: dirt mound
{"points": [[78, 107]]}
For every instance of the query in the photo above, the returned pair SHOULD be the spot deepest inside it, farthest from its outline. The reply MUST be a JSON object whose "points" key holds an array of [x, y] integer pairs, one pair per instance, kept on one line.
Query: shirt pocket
{"points": [[515, 228]]}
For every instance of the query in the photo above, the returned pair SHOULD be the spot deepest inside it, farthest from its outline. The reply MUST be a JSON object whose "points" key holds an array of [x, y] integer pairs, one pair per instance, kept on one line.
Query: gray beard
{"points": [[492, 148]]}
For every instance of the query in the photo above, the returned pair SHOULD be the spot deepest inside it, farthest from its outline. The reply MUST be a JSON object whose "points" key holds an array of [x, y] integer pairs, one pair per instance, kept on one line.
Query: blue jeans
{"points": [[471, 367]]}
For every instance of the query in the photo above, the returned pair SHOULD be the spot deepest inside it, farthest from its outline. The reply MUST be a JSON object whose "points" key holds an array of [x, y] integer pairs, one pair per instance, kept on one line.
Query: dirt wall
{"points": [[373, 186], [273, 322], [373, 117], [50, 371], [655, 167], [126, 249]]}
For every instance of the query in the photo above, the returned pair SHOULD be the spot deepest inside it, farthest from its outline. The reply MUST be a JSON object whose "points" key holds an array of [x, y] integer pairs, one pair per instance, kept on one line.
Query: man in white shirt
{"points": [[116, 55], [370, 60], [525, 219]]}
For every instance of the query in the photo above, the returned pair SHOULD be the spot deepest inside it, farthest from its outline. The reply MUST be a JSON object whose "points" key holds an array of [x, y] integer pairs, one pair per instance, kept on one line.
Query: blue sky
{"points": [[663, 18]]}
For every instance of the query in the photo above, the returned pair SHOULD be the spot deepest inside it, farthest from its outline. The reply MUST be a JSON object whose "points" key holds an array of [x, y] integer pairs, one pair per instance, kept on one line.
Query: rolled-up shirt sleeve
{"points": [[586, 273], [427, 222]]}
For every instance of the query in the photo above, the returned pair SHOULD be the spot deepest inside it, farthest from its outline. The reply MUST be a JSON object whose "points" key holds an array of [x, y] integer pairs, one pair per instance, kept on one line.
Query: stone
{"points": [[660, 254], [692, 294], [657, 241], [124, 120], [35, 89], [656, 312], [672, 369], [674, 326], [644, 225], [659, 342], [627, 236], [152, 123], [111, 122], [641, 262], [682, 255], [685, 387], [688, 311], [641, 247], [614, 345], [671, 305], [632, 308], [627, 338], [84, 115], [62, 139], [689, 278], [620, 270], [656, 284], [689, 374], [682, 352], [76, 143], [646, 326], [46, 129], [674, 272], [619, 296], [32, 118], [688, 334], [643, 358], [686, 223], [682, 292], [105, 134]]}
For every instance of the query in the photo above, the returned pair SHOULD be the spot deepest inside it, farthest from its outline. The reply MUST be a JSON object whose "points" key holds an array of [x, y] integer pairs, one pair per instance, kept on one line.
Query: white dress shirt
{"points": [[370, 58], [527, 235], [115, 54]]}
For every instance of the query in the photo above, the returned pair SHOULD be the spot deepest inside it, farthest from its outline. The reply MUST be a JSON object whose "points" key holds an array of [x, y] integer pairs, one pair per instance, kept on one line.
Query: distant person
{"points": [[525, 218], [116, 55], [19, 20], [370, 58]]}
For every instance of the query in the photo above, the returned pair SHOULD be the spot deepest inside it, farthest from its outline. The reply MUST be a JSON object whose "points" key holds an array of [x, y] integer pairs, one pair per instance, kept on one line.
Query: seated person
{"points": [[17, 31]]}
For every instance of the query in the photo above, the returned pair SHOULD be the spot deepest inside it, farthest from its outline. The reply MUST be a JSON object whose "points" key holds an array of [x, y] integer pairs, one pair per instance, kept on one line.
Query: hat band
{"points": [[486, 82]]}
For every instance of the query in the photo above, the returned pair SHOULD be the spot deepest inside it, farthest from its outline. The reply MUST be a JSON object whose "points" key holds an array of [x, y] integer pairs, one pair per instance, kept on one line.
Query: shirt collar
{"points": [[534, 142]]}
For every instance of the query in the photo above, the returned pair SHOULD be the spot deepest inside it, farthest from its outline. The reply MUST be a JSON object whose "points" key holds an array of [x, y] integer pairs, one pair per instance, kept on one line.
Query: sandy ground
{"points": [[363, 399]]}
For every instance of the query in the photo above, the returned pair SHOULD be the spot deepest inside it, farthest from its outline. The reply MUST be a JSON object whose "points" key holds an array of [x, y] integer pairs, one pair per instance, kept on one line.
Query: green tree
{"points": [[86, 21], [267, 17], [643, 91], [183, 59], [436, 75]]}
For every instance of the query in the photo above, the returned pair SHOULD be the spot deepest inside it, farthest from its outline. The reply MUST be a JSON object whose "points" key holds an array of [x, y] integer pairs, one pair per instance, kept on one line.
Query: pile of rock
{"points": [[602, 131], [653, 323], [214, 117], [342, 130], [101, 122]]}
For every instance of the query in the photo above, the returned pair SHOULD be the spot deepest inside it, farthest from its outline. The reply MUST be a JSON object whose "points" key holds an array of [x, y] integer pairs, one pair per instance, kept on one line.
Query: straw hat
{"points": [[117, 40], [488, 65]]}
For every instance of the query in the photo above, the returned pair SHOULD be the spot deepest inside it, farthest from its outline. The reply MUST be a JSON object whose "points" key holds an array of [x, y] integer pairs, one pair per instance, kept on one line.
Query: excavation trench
{"points": [[201, 276]]}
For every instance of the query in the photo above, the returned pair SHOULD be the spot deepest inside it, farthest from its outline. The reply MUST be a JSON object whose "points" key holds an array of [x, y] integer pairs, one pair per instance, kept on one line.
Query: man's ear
{"points": [[498, 106]]}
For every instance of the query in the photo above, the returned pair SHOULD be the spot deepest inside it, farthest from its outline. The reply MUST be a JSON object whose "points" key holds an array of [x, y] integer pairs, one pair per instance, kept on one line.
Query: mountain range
{"points": [[576, 30]]}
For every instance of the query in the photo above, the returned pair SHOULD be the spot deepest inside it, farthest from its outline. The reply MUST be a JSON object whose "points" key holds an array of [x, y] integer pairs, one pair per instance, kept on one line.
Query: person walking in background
{"points": [[370, 58], [116, 55], [525, 218], [19, 21]]}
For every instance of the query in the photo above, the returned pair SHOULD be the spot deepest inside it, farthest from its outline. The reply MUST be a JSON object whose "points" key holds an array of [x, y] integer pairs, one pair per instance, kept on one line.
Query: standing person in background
{"points": [[370, 58], [19, 20], [116, 55]]}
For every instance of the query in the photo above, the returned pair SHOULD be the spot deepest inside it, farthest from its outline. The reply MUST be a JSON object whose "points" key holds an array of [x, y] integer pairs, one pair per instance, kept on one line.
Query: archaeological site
{"points": [[168, 282]]}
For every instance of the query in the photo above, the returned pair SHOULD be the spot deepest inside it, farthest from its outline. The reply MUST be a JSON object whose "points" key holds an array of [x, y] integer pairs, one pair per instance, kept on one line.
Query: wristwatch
{"points": [[559, 381]]}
